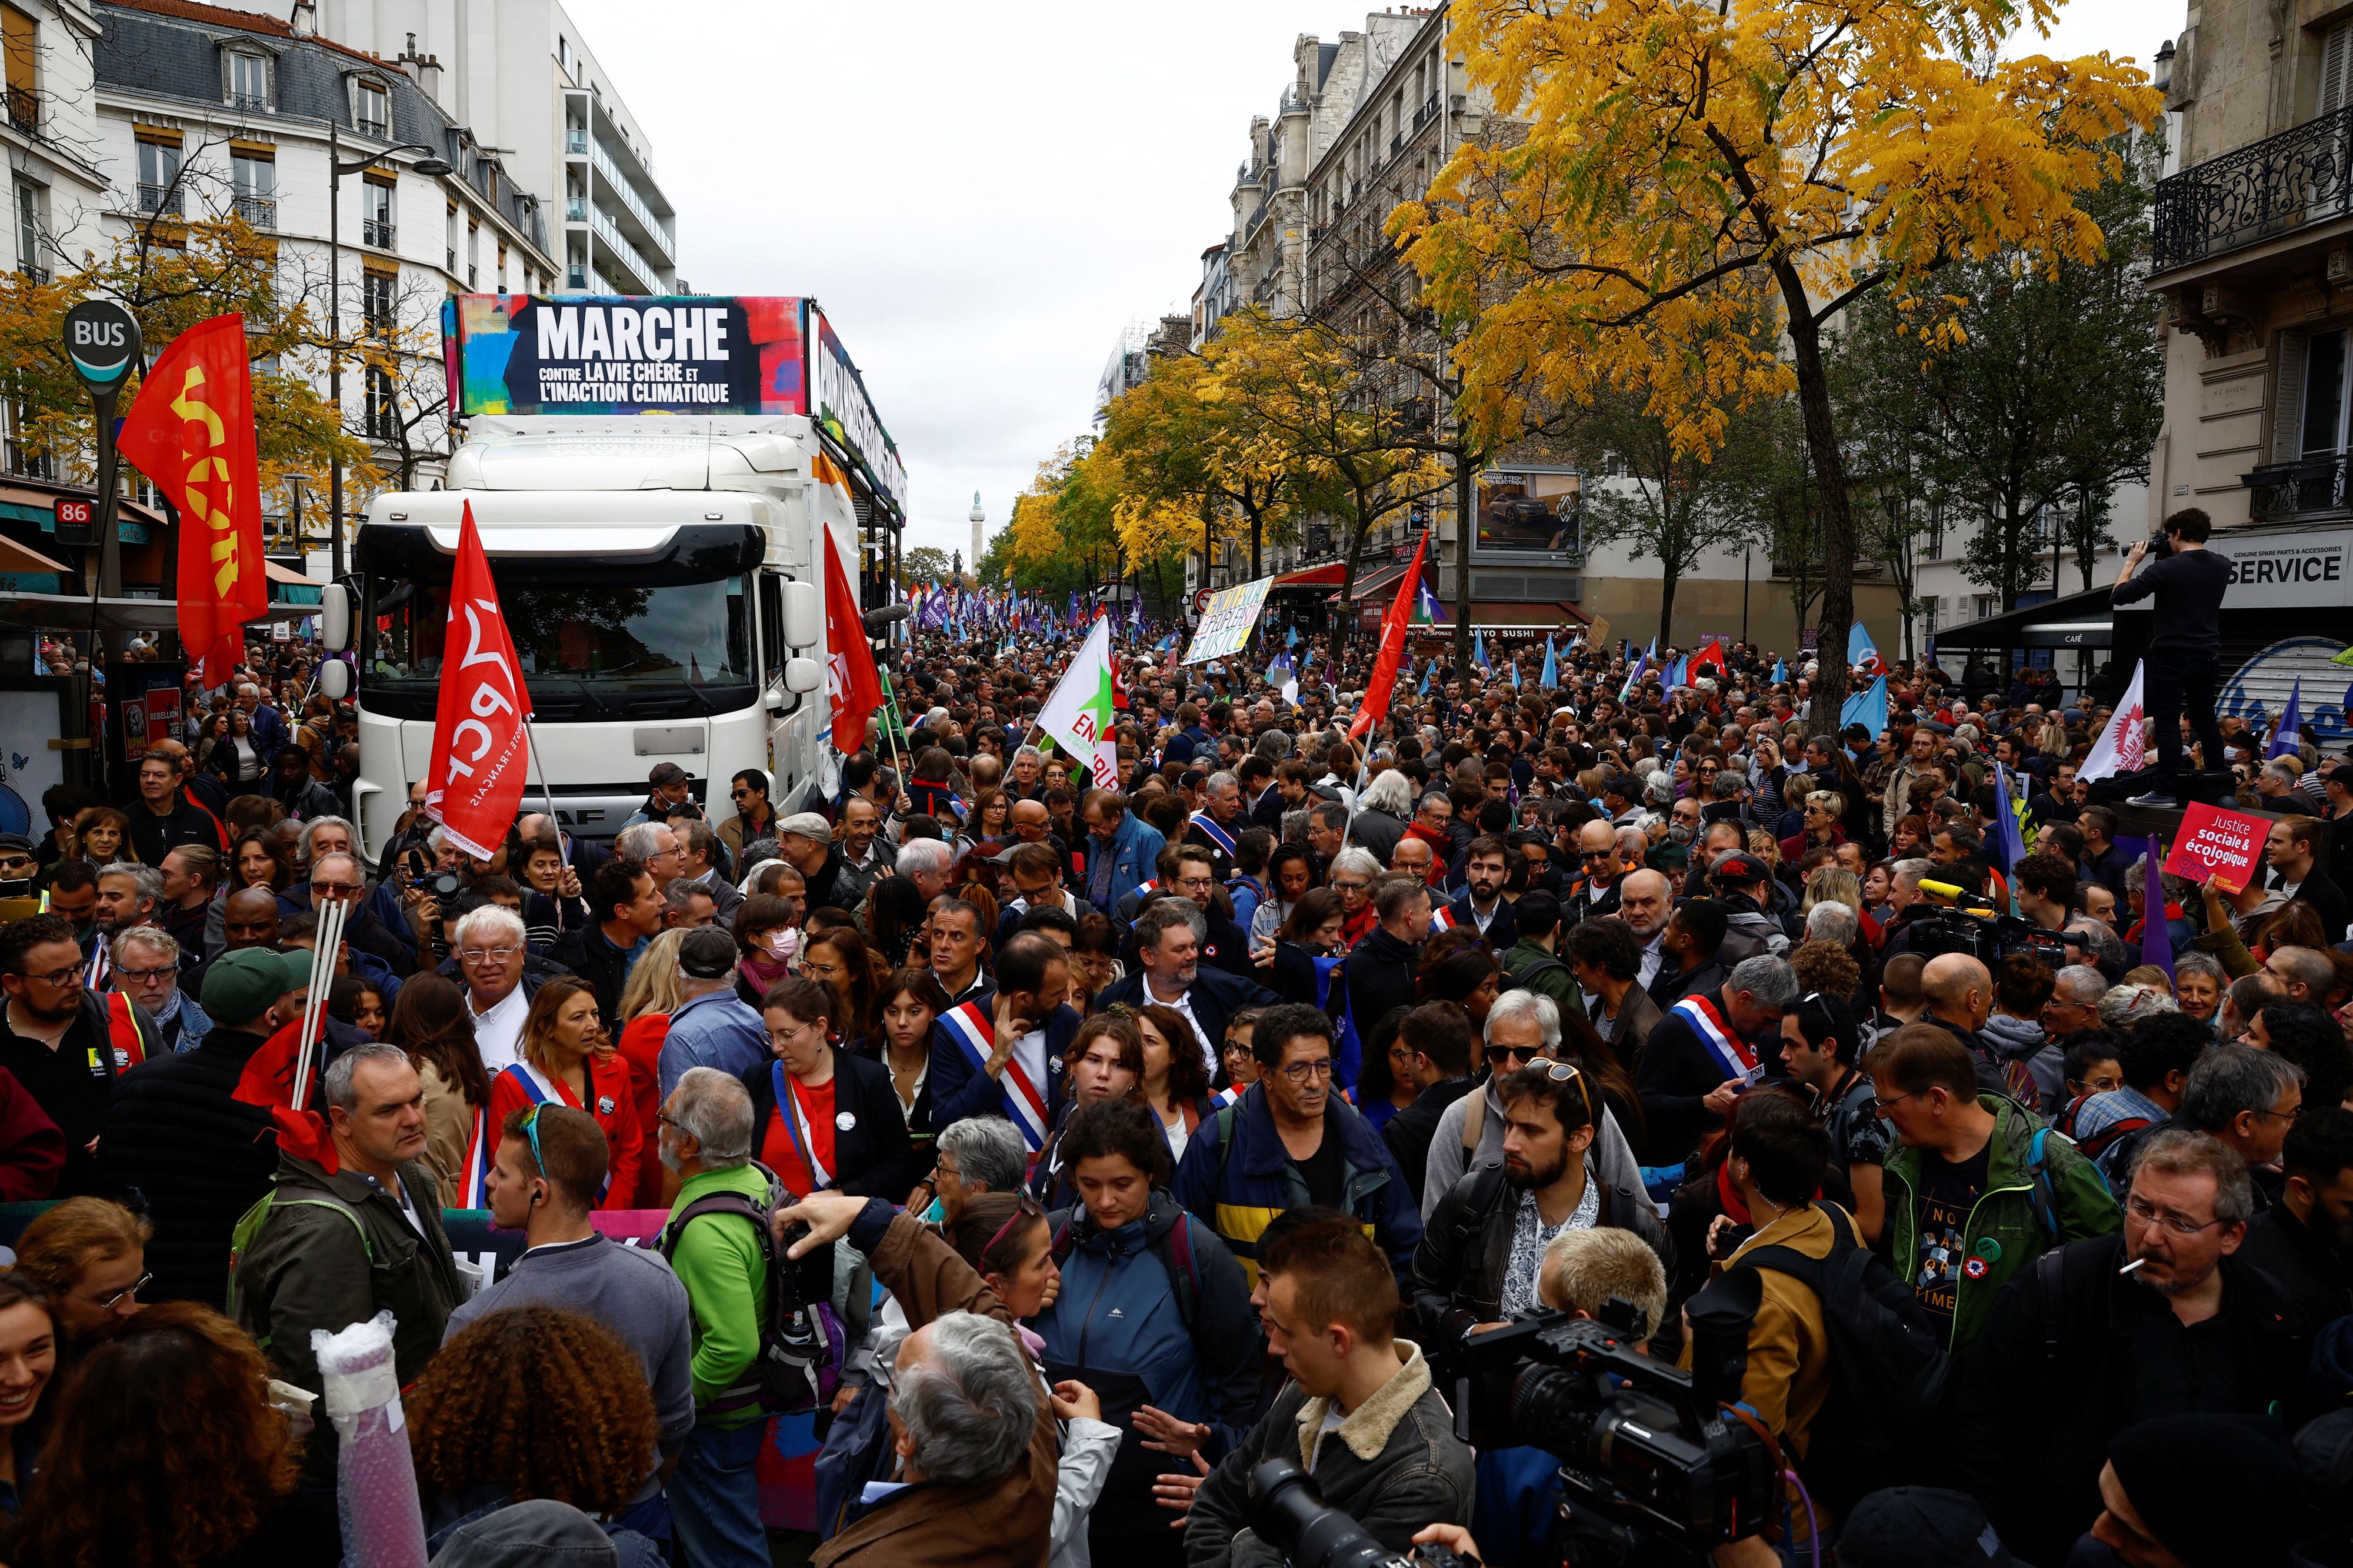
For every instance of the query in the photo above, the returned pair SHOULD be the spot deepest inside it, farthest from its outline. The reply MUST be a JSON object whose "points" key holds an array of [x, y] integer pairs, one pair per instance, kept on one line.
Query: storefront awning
{"points": [[2074, 620], [1382, 580], [1488, 617], [1328, 576]]}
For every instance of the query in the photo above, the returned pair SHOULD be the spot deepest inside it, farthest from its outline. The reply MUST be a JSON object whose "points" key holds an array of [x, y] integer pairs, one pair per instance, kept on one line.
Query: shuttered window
{"points": [[2336, 68]]}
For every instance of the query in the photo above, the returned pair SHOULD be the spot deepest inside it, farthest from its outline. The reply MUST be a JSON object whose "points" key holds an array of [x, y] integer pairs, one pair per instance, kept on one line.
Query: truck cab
{"points": [[661, 579]]}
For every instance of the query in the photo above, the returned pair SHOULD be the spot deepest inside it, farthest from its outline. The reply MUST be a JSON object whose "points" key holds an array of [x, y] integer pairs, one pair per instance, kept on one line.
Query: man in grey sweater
{"points": [[551, 1164]]}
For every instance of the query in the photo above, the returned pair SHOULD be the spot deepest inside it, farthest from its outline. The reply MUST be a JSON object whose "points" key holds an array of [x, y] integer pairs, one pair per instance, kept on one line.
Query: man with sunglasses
{"points": [[2162, 1317], [1484, 1245]]}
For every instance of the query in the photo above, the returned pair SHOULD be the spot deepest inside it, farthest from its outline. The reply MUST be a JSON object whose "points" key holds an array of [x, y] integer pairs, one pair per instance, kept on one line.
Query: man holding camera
{"points": [[1360, 1409], [2188, 581]]}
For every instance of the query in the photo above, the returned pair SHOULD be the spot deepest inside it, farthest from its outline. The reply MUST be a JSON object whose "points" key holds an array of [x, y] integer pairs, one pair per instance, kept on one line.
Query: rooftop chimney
{"points": [[305, 20]]}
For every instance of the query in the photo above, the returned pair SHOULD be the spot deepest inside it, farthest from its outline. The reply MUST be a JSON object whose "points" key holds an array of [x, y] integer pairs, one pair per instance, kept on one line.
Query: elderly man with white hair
{"points": [[975, 1448], [1522, 1027], [490, 956], [1381, 814]]}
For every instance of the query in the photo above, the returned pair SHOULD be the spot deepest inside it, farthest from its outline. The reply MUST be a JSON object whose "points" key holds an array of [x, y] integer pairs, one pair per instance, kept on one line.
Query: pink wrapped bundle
{"points": [[376, 1483]]}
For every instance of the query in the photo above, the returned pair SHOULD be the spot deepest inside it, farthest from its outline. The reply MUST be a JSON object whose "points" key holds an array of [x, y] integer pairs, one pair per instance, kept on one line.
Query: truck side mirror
{"points": [[335, 678], [802, 675], [334, 617], [804, 616]]}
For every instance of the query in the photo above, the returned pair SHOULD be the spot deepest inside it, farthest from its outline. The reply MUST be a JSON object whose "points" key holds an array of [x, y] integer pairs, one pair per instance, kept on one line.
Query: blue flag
{"points": [[1780, 672], [1290, 637], [1424, 689], [2006, 845], [1867, 707], [1550, 678], [1860, 650], [1680, 675], [1634, 678], [2155, 938], [1515, 675], [2288, 736], [1654, 648], [1479, 651]]}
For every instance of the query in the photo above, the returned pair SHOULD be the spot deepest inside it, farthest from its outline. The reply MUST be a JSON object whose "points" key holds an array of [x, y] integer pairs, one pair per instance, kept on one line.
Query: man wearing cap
{"points": [[669, 787], [1744, 883], [712, 1026], [805, 842], [176, 1131]]}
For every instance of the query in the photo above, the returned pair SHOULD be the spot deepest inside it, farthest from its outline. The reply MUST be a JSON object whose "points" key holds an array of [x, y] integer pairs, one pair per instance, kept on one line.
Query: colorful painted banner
{"points": [[587, 354], [1226, 621]]}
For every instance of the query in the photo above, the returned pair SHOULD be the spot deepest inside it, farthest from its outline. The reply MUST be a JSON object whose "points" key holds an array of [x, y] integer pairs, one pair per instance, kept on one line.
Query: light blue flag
{"points": [[1479, 652], [1860, 649], [1780, 672], [1681, 674], [1515, 675], [1654, 646], [1550, 678], [1424, 689], [1867, 707], [1290, 637], [2288, 736]]}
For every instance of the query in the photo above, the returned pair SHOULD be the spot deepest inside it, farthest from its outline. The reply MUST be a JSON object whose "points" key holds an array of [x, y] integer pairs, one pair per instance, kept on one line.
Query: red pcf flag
{"points": [[1712, 654], [473, 785], [1383, 685], [851, 680], [191, 431]]}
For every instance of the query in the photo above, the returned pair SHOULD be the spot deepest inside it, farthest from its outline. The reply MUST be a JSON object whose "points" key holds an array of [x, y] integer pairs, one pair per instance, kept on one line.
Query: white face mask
{"points": [[783, 946]]}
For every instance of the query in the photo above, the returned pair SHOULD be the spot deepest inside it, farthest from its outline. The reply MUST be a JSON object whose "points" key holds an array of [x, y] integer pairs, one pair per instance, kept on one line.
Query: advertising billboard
{"points": [[1530, 512], [586, 353]]}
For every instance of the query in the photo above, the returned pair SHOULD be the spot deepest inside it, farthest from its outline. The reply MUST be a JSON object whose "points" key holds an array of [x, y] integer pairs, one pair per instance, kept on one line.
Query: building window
{"points": [[255, 180], [449, 241], [20, 33], [375, 302], [158, 178], [2321, 427], [372, 109], [22, 460], [2336, 69], [28, 232], [473, 253], [248, 82], [375, 215], [383, 414]]}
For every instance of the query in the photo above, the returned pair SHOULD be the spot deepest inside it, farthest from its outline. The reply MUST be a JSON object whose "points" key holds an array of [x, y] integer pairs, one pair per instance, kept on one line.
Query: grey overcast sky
{"points": [[983, 198]]}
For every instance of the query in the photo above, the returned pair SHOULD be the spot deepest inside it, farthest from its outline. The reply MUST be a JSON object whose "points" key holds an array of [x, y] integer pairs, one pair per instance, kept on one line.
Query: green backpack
{"points": [[249, 1225]]}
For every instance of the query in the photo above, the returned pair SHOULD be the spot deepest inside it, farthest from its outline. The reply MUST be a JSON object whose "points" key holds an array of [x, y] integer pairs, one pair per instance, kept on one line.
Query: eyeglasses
{"points": [[124, 974], [70, 975], [1347, 887], [16, 862], [486, 954], [1525, 1055], [113, 1299], [334, 888], [1300, 1072], [2135, 1209]]}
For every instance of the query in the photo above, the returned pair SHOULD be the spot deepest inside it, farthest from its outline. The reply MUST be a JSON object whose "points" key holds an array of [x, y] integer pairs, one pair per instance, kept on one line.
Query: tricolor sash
{"points": [[542, 1090], [474, 1183], [1730, 1051], [1225, 1096], [1215, 834], [974, 1033]]}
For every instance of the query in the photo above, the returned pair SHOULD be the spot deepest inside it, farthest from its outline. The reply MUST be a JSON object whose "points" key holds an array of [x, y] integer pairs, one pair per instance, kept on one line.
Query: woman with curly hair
{"points": [[533, 1402], [568, 1061], [164, 1452]]}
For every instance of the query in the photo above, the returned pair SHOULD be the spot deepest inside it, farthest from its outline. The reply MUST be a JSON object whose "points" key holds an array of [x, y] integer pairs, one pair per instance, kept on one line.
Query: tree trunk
{"points": [[1837, 521], [1465, 526], [1668, 578], [1258, 539]]}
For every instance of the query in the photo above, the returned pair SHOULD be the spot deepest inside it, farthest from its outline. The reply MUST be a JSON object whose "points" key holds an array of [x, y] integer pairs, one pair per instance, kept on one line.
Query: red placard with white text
{"points": [[2225, 845]]}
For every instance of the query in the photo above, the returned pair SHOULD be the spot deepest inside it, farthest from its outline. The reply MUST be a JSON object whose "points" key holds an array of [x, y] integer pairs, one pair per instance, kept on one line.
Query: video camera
{"points": [[1653, 1468], [1287, 1509], [1984, 936]]}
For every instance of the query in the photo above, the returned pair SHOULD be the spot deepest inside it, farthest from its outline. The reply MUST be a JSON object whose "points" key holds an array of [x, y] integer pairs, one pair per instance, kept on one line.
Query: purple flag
{"points": [[2156, 940]]}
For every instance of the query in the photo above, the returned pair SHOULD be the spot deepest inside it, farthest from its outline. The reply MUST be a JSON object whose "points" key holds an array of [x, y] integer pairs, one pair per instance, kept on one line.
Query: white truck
{"points": [[660, 578]]}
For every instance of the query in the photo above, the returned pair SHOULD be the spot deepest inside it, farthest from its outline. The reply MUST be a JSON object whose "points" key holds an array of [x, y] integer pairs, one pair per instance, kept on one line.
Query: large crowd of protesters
{"points": [[1076, 1149]]}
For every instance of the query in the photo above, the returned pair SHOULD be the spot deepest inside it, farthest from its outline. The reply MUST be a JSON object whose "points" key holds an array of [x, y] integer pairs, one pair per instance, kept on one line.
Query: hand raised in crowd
{"points": [[1175, 1489], [829, 1216], [1165, 1433]]}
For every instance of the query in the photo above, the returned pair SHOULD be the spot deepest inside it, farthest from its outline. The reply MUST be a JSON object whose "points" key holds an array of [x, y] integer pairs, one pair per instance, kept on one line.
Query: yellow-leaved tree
{"points": [[1685, 165]]}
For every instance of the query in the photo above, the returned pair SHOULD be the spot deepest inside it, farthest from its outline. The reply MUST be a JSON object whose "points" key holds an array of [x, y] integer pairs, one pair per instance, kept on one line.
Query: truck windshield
{"points": [[587, 650]]}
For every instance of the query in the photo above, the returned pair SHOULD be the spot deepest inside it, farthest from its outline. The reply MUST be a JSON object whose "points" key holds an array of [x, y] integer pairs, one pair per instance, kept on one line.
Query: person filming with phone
{"points": [[2188, 581]]}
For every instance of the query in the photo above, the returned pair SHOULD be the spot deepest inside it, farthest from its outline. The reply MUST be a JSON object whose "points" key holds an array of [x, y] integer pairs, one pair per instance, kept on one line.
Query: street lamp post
{"points": [[432, 165]]}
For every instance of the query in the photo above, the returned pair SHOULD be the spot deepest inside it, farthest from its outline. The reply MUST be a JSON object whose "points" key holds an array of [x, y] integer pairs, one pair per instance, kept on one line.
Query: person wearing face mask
{"points": [[175, 1131]]}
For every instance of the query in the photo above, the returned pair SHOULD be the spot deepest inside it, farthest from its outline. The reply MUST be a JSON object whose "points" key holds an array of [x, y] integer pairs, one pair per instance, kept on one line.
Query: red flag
{"points": [[473, 785], [191, 431], [849, 677], [1711, 654], [1383, 685]]}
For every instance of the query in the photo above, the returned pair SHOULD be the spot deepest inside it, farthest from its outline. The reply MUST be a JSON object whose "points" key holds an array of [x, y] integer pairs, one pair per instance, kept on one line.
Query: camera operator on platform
{"points": [[2189, 580]]}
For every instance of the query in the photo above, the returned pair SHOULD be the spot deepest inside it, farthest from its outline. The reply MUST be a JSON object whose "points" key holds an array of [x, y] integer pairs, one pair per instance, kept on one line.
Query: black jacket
{"points": [[156, 836], [178, 1136], [1670, 987], [2051, 1380], [872, 1156], [2302, 1258], [1466, 1249], [363, 931], [1215, 996], [1408, 1132], [1379, 976], [587, 954]]}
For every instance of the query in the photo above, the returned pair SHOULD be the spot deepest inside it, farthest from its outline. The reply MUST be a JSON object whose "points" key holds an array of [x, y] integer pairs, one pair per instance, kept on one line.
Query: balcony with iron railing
{"points": [[2299, 178], [381, 233], [261, 212], [164, 201], [25, 106], [2311, 487], [1427, 112]]}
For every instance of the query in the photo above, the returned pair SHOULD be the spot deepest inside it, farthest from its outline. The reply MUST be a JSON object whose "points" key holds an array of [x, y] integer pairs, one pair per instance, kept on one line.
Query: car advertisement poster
{"points": [[1530, 512]]}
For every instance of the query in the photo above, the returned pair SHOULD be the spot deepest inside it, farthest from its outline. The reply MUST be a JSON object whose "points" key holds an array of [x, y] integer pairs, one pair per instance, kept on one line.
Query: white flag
{"points": [[2121, 748], [1079, 715]]}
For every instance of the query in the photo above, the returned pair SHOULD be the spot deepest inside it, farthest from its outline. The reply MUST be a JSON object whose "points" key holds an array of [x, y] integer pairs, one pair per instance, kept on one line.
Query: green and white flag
{"points": [[1078, 714]]}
